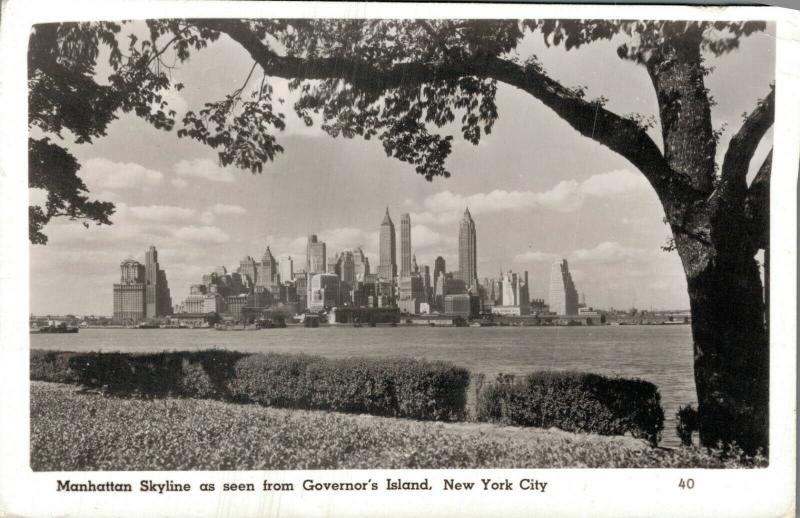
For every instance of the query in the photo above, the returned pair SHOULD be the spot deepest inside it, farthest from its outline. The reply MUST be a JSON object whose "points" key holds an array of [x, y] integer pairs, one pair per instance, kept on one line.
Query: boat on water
{"points": [[263, 323], [145, 325], [311, 321], [55, 328]]}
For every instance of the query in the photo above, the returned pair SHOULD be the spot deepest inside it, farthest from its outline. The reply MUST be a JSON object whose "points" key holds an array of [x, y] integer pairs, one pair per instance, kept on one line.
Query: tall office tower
{"points": [[267, 270], [405, 245], [412, 287], [497, 291], [361, 264], [387, 269], [315, 255], [333, 265], [438, 269], [129, 293], [323, 291], [151, 282], [514, 295], [158, 301], [236, 284], [414, 265], [286, 268], [467, 251], [163, 295], [247, 269], [347, 267], [563, 295], [426, 282], [131, 272]]}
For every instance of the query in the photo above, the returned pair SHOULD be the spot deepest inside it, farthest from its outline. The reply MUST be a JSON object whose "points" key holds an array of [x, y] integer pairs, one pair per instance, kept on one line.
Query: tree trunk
{"points": [[731, 352]]}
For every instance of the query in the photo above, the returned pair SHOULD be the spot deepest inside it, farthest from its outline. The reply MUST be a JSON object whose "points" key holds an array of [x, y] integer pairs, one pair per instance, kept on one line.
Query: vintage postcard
{"points": [[351, 259]]}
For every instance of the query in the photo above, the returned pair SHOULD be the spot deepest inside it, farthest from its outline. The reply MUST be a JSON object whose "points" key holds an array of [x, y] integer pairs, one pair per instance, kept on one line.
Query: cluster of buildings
{"points": [[345, 281], [142, 292]]}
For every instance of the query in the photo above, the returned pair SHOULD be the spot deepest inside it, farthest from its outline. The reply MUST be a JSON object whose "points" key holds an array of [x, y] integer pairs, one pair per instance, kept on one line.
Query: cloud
{"points": [[202, 234], [203, 168], [423, 238], [566, 196], [220, 209], [619, 182], [607, 252], [180, 183], [102, 174], [165, 213], [610, 252], [223, 209], [535, 257]]}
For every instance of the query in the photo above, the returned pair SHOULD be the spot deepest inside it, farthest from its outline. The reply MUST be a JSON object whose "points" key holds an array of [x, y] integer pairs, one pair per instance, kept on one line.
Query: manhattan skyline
{"points": [[537, 195]]}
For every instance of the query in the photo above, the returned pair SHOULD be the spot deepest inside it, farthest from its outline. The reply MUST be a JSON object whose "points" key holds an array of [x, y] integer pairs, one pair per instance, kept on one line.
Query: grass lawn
{"points": [[74, 430]]}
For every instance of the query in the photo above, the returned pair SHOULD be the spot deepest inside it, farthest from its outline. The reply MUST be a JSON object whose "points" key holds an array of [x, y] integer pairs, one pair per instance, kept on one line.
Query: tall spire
{"points": [[467, 251], [387, 268]]}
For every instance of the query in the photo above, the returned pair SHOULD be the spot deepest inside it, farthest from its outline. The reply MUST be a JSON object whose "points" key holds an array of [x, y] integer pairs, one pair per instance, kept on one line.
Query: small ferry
{"points": [[311, 320], [145, 325], [53, 327]]}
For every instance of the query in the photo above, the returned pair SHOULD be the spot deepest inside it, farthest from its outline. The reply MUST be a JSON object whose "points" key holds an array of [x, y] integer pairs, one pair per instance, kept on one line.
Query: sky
{"points": [[537, 190]]}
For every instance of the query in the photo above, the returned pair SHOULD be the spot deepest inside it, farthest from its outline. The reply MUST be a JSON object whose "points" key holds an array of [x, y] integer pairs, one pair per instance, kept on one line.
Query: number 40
{"points": [[686, 484]]}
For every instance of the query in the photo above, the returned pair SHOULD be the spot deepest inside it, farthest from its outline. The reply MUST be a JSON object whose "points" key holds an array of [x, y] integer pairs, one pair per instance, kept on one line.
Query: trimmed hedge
{"points": [[393, 387], [390, 387], [52, 366], [575, 402]]}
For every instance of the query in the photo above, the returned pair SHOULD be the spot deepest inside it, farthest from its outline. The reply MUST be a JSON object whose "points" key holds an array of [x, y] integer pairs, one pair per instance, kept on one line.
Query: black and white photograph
{"points": [[309, 242]]}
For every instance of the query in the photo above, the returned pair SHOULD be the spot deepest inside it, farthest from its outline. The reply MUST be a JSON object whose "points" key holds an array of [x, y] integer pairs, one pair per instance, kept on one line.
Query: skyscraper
{"points": [[387, 268], [361, 264], [247, 269], [467, 251], [513, 295], [426, 283], [315, 255], [131, 272], [286, 267], [438, 269], [563, 295], [333, 265], [151, 282], [347, 267], [157, 297], [129, 293], [405, 245], [164, 297], [267, 270]]}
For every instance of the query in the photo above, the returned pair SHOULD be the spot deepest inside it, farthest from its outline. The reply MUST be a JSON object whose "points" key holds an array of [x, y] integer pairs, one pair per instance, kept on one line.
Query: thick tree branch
{"points": [[757, 205], [733, 178], [621, 135]]}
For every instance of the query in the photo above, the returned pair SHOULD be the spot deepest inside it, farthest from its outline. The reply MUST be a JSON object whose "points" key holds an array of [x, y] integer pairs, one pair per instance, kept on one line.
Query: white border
{"points": [[766, 492]]}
